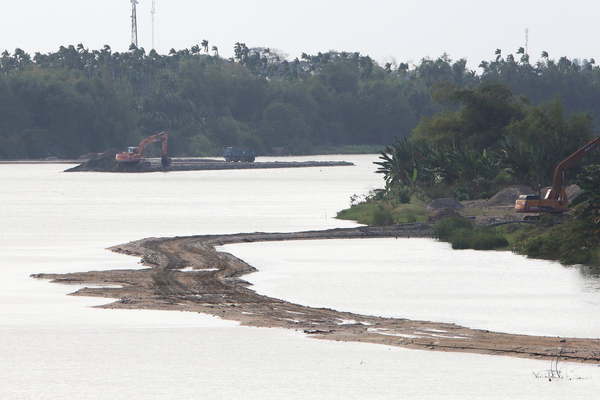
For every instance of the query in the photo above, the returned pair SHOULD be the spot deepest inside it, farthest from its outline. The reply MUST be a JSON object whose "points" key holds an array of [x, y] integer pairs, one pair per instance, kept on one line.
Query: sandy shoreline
{"points": [[213, 286]]}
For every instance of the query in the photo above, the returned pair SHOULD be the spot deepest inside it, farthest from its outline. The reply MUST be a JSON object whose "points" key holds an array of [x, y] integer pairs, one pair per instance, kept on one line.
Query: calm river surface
{"points": [[53, 346]]}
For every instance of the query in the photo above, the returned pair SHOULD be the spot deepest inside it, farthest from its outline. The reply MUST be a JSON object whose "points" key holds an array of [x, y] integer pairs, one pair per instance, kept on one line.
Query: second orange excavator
{"points": [[134, 155], [556, 200]]}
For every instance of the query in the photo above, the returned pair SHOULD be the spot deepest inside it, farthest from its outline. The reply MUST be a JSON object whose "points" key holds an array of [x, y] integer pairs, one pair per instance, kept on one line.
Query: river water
{"points": [[53, 346]]}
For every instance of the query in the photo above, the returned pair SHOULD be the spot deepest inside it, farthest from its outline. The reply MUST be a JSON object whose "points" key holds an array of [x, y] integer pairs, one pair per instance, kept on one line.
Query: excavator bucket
{"points": [[166, 162]]}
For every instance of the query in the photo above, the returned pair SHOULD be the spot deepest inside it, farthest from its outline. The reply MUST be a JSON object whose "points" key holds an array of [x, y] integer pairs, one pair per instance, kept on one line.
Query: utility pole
{"points": [[153, 11], [134, 37]]}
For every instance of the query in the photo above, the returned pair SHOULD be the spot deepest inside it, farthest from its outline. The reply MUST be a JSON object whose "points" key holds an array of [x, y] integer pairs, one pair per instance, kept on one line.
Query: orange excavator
{"points": [[556, 200], [134, 155]]}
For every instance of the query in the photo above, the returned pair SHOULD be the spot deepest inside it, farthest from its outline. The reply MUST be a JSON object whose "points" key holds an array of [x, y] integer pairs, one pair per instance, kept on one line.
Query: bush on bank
{"points": [[396, 204], [571, 243], [462, 233]]}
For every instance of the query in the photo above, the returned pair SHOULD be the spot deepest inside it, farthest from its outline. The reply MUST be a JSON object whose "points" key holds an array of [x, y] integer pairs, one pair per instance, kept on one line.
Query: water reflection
{"points": [[427, 280], [57, 346]]}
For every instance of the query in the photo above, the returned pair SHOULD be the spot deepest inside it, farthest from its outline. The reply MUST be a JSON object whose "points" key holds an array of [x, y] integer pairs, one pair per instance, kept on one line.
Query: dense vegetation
{"points": [[492, 139], [77, 100], [573, 242], [453, 131]]}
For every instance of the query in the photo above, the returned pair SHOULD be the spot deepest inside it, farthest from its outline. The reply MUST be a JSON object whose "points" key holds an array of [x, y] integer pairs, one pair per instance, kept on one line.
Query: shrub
{"points": [[545, 246], [399, 193], [394, 194], [546, 220], [382, 216], [445, 228], [487, 240], [462, 234], [463, 193], [487, 195], [461, 238], [406, 217], [484, 185], [504, 178]]}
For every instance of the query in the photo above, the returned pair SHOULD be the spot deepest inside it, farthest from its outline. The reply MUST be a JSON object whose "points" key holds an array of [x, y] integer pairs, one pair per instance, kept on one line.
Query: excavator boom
{"points": [[556, 199], [136, 154]]}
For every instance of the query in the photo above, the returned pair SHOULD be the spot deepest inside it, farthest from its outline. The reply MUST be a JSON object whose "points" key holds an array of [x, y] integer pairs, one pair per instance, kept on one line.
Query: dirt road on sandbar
{"points": [[188, 274]]}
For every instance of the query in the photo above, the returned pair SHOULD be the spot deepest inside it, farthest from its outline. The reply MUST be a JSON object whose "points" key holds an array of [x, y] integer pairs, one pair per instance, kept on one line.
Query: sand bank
{"points": [[188, 274]]}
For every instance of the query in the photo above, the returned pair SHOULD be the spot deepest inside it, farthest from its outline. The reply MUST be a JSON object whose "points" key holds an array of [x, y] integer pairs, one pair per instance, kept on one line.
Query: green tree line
{"points": [[492, 139], [76, 100]]}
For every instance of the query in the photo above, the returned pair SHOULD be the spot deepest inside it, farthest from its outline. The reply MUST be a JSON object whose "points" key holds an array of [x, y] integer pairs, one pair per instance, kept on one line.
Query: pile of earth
{"points": [[445, 204], [508, 196], [504, 198], [104, 162], [446, 213]]}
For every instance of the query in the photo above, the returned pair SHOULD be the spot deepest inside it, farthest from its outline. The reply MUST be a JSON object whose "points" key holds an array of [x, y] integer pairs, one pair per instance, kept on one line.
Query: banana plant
{"points": [[589, 182]]}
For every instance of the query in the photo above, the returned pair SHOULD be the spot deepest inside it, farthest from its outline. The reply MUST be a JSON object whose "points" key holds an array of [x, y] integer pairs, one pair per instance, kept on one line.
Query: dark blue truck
{"points": [[243, 154]]}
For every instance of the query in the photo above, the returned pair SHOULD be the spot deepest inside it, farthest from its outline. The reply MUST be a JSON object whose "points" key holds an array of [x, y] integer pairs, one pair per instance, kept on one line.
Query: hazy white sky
{"points": [[383, 29]]}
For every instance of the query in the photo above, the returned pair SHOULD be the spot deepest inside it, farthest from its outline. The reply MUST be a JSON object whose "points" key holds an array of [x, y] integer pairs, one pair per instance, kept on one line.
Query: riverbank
{"points": [[107, 163], [189, 274]]}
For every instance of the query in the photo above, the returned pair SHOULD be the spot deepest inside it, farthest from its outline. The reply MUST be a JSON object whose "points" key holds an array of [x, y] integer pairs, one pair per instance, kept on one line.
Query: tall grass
{"points": [[463, 234]]}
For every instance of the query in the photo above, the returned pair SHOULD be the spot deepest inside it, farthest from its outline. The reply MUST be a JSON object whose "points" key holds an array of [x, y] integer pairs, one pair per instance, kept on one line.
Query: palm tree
{"points": [[205, 45], [401, 163], [485, 66], [589, 182], [215, 50], [241, 52]]}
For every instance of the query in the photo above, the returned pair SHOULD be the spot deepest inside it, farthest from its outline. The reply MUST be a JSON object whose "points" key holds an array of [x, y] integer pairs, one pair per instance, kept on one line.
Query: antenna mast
{"points": [[134, 37], [153, 11], [526, 40]]}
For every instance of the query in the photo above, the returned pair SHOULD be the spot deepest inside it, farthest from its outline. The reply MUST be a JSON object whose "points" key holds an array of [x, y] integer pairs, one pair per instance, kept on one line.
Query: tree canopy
{"points": [[77, 100]]}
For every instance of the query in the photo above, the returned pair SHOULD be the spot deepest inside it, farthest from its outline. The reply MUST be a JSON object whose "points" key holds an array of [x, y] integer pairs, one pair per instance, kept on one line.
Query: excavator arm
{"points": [[159, 137], [558, 190], [139, 153], [556, 199]]}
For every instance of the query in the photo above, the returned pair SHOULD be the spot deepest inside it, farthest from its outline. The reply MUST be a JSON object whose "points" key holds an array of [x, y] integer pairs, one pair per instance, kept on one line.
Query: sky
{"points": [[386, 30]]}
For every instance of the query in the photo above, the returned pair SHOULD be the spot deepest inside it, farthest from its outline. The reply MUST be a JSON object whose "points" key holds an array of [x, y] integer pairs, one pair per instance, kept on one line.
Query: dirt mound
{"points": [[447, 213], [508, 196], [106, 162], [445, 204], [573, 191], [103, 162]]}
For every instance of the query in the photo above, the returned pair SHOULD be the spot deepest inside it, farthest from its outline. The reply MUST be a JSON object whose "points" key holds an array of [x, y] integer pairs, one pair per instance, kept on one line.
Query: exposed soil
{"points": [[105, 162], [211, 284]]}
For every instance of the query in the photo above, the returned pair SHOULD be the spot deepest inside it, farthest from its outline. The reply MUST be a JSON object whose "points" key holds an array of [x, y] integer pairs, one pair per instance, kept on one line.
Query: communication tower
{"points": [[134, 37], [153, 11]]}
